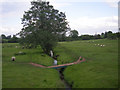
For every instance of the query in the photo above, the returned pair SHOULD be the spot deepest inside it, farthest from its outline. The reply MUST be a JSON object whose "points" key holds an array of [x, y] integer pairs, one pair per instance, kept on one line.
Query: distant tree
{"points": [[102, 35], [3, 36], [85, 37], [105, 35], [14, 39], [3, 39], [91, 36], [114, 36], [97, 36], [42, 24], [110, 35], [8, 37], [74, 34], [118, 35], [62, 37]]}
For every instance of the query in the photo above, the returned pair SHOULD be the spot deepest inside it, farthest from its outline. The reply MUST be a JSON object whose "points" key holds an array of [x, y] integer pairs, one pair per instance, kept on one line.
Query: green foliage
{"points": [[102, 35], [111, 35], [9, 39], [14, 39], [118, 34], [74, 33], [85, 37], [3, 36], [42, 24], [107, 35], [97, 36]]}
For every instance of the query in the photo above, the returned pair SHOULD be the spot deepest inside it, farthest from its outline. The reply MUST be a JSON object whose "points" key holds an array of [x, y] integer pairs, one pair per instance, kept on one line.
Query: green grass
{"points": [[20, 74], [32, 55], [100, 69]]}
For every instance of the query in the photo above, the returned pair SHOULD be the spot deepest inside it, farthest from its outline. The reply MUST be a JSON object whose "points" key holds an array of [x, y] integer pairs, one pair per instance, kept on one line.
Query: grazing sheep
{"points": [[103, 45], [13, 58], [20, 52]]}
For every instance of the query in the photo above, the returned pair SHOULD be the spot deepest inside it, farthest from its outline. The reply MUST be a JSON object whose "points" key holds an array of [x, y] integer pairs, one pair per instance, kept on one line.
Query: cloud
{"points": [[112, 3], [15, 0], [57, 5], [8, 7], [52, 0], [83, 24], [12, 12], [93, 25], [7, 30], [77, 0]]}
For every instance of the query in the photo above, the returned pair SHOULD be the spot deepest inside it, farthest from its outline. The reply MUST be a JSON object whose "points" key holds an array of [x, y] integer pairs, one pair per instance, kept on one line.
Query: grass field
{"points": [[99, 71], [101, 67], [20, 74]]}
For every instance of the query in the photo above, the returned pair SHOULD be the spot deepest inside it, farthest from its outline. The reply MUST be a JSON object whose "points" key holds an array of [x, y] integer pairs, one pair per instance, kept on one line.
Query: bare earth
{"points": [[77, 62]]}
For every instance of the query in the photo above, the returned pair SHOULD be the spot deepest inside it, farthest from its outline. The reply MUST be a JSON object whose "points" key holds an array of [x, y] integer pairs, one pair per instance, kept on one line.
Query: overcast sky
{"points": [[85, 16]]}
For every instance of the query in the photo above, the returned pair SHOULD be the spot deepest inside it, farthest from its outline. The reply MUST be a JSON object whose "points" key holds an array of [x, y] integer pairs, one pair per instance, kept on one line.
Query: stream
{"points": [[60, 71]]}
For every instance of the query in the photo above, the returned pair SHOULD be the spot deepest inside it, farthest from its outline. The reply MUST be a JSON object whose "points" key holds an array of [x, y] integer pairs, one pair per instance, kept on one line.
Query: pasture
{"points": [[20, 74], [100, 70]]}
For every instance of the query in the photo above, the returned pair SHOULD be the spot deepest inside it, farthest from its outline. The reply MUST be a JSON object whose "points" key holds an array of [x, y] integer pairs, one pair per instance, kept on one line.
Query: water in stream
{"points": [[60, 71]]}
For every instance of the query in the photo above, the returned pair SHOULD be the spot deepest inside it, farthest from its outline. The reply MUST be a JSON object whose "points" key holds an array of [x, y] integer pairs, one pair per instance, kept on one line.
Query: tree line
{"points": [[72, 37], [9, 39], [107, 35]]}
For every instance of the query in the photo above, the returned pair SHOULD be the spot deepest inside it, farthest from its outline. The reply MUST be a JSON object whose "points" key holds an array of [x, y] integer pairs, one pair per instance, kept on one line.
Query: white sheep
{"points": [[103, 45], [13, 58], [20, 52]]}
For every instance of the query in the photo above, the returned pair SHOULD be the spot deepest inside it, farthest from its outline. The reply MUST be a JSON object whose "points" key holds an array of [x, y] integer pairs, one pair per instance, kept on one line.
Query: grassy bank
{"points": [[20, 74], [101, 67]]}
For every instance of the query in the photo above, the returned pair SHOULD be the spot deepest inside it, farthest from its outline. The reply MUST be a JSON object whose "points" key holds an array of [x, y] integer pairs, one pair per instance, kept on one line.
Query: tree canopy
{"points": [[74, 33], [42, 24]]}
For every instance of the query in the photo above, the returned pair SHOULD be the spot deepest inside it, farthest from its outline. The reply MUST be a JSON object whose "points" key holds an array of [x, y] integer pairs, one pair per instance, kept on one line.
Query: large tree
{"points": [[42, 24]]}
